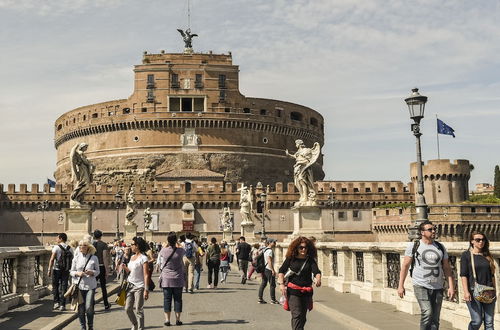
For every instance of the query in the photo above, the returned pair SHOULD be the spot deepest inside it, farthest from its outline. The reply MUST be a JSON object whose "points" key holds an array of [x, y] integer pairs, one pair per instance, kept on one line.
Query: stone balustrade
{"points": [[23, 275], [371, 270]]}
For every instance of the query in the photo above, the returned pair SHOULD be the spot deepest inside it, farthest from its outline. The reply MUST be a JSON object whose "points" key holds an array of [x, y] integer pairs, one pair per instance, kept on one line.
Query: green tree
{"points": [[497, 182]]}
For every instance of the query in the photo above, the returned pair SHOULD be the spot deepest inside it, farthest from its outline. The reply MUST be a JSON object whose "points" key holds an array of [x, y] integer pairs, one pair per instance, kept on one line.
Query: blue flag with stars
{"points": [[52, 184], [444, 129]]}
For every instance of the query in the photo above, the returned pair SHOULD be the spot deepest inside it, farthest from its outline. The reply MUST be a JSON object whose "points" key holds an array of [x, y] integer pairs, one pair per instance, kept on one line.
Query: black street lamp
{"points": [[416, 106], [263, 199], [331, 203], [118, 198], [43, 206]]}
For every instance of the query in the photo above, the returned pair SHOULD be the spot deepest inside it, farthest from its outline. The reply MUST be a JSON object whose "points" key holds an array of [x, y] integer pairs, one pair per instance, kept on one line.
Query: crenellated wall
{"points": [[444, 182], [350, 216]]}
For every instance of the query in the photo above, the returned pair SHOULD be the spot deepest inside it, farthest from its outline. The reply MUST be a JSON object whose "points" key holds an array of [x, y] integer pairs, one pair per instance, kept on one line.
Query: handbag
{"points": [[122, 293], [290, 272], [73, 293], [482, 293], [165, 264]]}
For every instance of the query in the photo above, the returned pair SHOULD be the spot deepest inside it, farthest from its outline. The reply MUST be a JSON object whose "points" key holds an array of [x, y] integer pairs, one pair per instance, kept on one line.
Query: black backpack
{"points": [[66, 258], [260, 264], [415, 254]]}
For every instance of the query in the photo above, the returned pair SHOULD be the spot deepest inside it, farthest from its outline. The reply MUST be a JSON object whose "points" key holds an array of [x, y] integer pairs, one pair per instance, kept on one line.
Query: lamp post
{"points": [[416, 106], [118, 198], [331, 203], [263, 198], [42, 207]]}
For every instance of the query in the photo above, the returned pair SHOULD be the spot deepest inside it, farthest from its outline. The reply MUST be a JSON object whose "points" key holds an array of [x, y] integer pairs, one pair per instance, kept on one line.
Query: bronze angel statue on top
{"points": [[302, 172], [187, 37]]}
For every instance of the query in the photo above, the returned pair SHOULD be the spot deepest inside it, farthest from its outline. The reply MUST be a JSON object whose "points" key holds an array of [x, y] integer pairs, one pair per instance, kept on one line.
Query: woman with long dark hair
{"points": [[138, 278], [172, 278], [295, 279], [477, 266]]}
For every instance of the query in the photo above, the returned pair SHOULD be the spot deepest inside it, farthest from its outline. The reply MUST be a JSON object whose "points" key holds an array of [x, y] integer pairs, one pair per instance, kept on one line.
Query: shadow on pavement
{"points": [[217, 322]]}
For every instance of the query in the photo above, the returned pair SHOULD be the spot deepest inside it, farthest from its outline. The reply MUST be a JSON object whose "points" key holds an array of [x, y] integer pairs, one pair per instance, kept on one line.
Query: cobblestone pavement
{"points": [[231, 306]]}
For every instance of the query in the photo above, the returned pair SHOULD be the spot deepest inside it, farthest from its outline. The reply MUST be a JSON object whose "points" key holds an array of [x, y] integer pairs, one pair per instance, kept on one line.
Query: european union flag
{"points": [[444, 129], [52, 184]]}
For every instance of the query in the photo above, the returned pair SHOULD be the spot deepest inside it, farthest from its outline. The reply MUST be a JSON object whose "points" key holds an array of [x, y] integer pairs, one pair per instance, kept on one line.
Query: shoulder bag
{"points": [[165, 264], [482, 293], [73, 293], [290, 272]]}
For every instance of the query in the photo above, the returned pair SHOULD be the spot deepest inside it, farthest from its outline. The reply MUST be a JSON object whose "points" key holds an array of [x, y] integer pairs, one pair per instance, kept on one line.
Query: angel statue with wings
{"points": [[302, 172], [81, 174], [187, 37]]}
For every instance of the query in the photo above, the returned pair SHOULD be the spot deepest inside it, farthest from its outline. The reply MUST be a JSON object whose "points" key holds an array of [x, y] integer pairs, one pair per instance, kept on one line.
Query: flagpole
{"points": [[437, 135]]}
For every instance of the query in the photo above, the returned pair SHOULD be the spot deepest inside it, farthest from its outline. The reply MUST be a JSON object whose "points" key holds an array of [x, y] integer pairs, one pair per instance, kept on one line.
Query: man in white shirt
{"points": [[269, 273], [60, 276]]}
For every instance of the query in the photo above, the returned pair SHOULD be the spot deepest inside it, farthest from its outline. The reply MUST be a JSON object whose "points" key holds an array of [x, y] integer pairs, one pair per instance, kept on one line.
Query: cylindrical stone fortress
{"points": [[186, 112]]}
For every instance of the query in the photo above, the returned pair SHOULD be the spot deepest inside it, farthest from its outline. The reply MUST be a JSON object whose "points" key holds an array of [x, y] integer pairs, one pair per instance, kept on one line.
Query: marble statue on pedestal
{"points": [[131, 211], [81, 174], [245, 205], [147, 218], [302, 172], [226, 220]]}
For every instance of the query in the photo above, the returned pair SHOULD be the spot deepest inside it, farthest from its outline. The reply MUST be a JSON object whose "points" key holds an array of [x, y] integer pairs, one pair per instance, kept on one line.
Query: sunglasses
{"points": [[479, 240], [430, 229], [302, 247]]}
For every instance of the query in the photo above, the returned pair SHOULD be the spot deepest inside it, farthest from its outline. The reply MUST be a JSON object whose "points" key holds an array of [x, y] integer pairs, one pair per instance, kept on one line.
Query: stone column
{"points": [[26, 278], [373, 284], [130, 232], [344, 265], [77, 222]]}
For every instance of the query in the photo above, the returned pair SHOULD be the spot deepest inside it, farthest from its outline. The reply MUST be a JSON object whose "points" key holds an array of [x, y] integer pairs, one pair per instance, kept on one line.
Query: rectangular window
{"points": [[144, 110], [222, 96], [380, 189], [344, 190], [151, 96], [174, 80], [356, 215], [95, 115], [222, 81], [341, 215], [227, 109], [199, 104], [279, 112], [187, 104], [151, 81], [198, 83], [263, 112], [174, 104], [368, 190], [356, 190], [393, 189]]}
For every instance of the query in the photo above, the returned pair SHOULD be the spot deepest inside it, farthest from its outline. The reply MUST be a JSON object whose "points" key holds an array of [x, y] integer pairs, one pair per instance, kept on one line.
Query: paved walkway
{"points": [[231, 306]]}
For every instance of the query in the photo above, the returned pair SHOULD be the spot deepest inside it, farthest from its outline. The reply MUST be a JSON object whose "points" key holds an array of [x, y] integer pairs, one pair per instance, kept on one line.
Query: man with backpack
{"points": [[427, 260], [243, 255], [102, 253], [59, 266], [265, 265], [189, 259]]}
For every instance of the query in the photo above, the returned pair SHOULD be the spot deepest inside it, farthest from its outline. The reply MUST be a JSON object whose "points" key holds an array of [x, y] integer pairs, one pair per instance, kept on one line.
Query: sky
{"points": [[354, 61]]}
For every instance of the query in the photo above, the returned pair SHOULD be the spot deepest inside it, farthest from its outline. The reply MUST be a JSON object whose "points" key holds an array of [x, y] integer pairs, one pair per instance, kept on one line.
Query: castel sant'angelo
{"points": [[187, 141]]}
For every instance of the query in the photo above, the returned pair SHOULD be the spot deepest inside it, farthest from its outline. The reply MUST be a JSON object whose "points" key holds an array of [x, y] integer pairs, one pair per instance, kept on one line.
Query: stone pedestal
{"points": [[248, 231], [227, 236], [77, 222], [307, 222], [148, 235], [130, 231]]}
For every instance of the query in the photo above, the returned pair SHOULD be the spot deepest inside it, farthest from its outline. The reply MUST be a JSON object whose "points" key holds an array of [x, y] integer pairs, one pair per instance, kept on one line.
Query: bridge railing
{"points": [[23, 275], [371, 270]]}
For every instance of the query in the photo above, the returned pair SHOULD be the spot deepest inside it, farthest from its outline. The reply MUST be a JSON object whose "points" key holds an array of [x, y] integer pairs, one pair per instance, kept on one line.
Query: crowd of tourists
{"points": [[78, 268]]}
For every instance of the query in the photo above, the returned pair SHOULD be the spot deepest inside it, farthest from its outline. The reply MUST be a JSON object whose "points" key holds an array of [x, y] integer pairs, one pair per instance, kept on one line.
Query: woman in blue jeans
{"points": [[172, 278], [485, 274], [84, 271]]}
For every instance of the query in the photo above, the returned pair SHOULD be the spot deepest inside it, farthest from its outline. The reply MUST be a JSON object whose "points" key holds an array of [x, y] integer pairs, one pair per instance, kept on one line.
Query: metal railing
{"points": [[393, 270]]}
